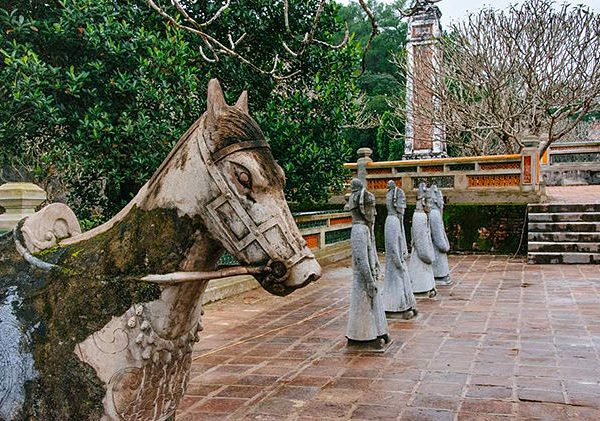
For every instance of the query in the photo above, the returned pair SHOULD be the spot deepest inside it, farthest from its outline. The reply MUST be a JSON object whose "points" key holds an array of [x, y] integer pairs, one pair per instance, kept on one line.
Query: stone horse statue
{"points": [[101, 325]]}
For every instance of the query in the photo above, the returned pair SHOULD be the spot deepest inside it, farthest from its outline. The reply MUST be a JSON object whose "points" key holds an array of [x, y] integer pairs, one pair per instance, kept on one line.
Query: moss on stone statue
{"points": [[473, 228], [96, 280]]}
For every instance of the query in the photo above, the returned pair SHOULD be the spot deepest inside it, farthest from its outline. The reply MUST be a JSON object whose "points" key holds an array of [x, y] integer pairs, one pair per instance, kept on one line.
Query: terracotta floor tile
{"points": [[425, 414], [450, 403], [486, 406], [219, 405], [488, 347], [494, 392], [445, 389], [375, 412], [326, 410], [235, 391]]}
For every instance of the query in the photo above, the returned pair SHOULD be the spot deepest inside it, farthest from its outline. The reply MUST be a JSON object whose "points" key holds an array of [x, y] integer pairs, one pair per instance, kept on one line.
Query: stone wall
{"points": [[476, 228]]}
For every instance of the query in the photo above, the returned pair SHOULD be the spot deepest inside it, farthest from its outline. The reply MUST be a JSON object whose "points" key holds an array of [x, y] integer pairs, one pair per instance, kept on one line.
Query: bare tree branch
{"points": [[281, 69], [374, 32], [533, 69]]}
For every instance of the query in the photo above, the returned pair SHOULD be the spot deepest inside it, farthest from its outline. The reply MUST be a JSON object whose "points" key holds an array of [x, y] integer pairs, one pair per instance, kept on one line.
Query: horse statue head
{"points": [[121, 303], [236, 187]]}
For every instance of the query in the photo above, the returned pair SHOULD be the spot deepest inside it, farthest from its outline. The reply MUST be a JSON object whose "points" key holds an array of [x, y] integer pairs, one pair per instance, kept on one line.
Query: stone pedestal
{"points": [[19, 200], [424, 134]]}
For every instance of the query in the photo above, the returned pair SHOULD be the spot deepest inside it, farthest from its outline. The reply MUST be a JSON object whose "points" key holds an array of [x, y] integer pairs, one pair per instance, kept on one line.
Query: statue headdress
{"points": [[357, 197]]}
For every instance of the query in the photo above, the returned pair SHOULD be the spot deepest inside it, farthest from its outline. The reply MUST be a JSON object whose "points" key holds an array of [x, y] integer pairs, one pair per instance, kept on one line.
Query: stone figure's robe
{"points": [[441, 245], [366, 319], [421, 258], [397, 290]]}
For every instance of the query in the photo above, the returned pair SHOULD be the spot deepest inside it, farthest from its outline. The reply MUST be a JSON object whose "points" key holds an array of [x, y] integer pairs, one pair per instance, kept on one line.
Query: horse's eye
{"points": [[244, 179]]}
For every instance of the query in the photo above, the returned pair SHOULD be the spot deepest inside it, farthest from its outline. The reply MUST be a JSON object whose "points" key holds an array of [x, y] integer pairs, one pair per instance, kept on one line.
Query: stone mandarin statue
{"points": [[421, 259], [441, 245], [366, 320], [398, 298], [105, 321]]}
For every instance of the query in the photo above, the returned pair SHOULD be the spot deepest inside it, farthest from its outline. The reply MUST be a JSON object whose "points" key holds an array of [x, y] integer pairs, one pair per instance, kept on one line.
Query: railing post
{"points": [[364, 157], [530, 163], [19, 200]]}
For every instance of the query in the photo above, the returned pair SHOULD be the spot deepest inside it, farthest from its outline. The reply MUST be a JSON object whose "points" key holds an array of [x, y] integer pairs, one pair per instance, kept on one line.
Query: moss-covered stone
{"points": [[473, 228], [96, 280]]}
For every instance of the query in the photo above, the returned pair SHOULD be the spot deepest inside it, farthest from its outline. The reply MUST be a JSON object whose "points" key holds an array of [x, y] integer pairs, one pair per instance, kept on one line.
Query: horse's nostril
{"points": [[312, 278], [278, 269]]}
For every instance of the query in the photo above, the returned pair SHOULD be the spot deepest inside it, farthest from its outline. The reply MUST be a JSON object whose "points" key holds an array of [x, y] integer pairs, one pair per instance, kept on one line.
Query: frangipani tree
{"points": [[532, 69]]}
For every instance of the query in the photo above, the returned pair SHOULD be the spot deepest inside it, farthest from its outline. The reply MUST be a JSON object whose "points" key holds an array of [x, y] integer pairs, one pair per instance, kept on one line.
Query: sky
{"points": [[458, 9]]}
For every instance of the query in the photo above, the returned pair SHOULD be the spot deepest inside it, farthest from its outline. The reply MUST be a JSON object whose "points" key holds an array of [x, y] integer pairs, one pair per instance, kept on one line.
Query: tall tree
{"points": [[532, 69], [96, 93], [381, 80]]}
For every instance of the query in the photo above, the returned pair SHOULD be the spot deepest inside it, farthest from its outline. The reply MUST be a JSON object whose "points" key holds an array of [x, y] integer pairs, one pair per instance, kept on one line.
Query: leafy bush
{"points": [[96, 93]]}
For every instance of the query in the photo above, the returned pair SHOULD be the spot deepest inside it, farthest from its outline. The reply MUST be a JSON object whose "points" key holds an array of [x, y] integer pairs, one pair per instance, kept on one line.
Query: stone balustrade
{"points": [[479, 179], [571, 163]]}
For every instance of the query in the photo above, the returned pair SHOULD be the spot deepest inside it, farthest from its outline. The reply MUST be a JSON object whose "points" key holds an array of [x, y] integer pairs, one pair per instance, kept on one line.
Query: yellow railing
{"points": [[489, 179], [324, 229]]}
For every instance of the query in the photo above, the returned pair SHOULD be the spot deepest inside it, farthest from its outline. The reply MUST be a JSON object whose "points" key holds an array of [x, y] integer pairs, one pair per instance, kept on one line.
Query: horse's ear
{"points": [[216, 100], [242, 103]]}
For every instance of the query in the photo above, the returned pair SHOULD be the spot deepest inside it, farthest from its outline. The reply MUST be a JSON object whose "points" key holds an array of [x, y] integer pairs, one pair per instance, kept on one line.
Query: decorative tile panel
{"points": [[312, 240], [337, 236], [340, 221], [377, 184], [406, 169], [500, 166], [433, 168], [575, 157], [527, 169], [500, 180], [379, 171], [312, 224]]}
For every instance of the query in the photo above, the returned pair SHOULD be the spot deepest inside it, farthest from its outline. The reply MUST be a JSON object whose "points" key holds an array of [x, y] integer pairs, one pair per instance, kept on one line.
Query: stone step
{"points": [[564, 258], [564, 226], [565, 217], [566, 247], [556, 237], [563, 207]]}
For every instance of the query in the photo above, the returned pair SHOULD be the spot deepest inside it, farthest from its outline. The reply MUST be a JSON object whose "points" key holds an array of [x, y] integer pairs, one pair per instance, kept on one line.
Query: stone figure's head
{"points": [[390, 199], [437, 199], [423, 198], [400, 200], [236, 187], [430, 197], [356, 185]]}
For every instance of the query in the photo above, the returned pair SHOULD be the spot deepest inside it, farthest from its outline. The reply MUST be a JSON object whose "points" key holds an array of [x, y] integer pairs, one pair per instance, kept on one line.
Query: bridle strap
{"points": [[236, 147]]}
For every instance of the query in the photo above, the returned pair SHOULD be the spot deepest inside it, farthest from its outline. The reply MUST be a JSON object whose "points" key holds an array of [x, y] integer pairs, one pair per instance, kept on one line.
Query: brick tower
{"points": [[424, 136]]}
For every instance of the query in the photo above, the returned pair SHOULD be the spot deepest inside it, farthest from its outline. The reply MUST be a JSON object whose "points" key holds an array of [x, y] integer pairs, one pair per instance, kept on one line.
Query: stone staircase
{"points": [[564, 233]]}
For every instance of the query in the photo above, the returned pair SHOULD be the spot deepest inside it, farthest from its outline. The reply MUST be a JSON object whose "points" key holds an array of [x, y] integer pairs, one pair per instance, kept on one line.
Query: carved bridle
{"points": [[282, 256]]}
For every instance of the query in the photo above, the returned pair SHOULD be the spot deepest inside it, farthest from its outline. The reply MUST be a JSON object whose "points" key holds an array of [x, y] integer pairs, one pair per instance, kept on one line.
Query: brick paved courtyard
{"points": [[507, 340]]}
